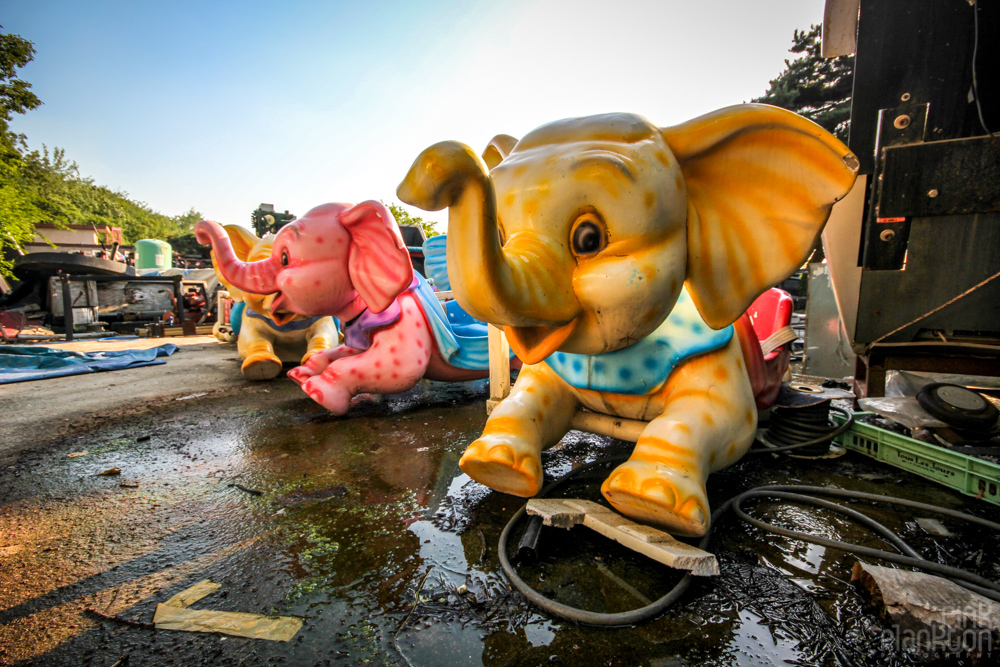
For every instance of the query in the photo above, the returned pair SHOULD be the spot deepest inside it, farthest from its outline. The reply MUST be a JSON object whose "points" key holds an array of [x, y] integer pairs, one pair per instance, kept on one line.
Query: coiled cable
{"points": [[806, 430], [798, 494]]}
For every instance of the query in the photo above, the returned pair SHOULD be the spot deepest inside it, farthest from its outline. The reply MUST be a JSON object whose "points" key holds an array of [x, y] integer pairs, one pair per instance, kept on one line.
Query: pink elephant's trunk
{"points": [[257, 277]]}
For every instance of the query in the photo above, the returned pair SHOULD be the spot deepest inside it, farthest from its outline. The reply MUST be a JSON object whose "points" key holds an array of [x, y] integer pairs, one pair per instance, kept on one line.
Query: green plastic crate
{"points": [[965, 474]]}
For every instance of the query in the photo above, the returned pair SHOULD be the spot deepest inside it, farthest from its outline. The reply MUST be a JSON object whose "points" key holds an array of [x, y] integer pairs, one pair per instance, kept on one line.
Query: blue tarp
{"points": [[20, 363]]}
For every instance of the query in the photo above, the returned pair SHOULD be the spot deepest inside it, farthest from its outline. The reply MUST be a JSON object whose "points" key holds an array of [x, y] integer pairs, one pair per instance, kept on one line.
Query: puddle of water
{"points": [[366, 528]]}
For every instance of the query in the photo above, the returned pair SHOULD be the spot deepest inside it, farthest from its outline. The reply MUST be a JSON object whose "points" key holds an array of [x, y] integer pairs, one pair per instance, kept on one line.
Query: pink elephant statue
{"points": [[350, 262]]}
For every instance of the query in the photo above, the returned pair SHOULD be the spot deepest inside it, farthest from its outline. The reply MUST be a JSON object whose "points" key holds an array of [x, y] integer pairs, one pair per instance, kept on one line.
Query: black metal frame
{"points": [[932, 216], [66, 279]]}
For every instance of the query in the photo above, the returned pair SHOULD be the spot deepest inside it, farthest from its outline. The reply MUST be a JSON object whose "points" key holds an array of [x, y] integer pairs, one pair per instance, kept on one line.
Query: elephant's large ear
{"points": [[378, 262], [499, 147], [242, 241], [761, 182]]}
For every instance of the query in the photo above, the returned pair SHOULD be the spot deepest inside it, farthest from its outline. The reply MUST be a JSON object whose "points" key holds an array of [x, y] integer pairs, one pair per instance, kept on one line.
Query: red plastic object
{"points": [[770, 312], [12, 323]]}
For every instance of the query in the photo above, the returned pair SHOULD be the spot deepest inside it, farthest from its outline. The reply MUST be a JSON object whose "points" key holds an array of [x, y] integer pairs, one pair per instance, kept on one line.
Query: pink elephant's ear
{"points": [[378, 263]]}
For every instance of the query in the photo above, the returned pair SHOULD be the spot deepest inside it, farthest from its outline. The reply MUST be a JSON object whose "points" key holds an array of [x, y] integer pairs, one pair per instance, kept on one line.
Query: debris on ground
{"points": [[302, 496], [933, 526], [189, 596], [649, 541], [119, 619], [930, 613], [494, 608], [174, 614], [244, 489], [110, 472]]}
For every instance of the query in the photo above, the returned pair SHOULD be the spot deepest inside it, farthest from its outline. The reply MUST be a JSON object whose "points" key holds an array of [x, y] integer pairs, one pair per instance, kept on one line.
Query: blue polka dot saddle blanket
{"points": [[642, 368]]}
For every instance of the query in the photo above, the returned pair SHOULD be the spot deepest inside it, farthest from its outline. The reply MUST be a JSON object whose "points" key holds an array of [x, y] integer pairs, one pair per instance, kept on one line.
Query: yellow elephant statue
{"points": [[267, 338], [616, 255]]}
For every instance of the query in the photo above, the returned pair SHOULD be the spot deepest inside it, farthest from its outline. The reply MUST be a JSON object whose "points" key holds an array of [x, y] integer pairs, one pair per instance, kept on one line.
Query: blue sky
{"points": [[223, 105]]}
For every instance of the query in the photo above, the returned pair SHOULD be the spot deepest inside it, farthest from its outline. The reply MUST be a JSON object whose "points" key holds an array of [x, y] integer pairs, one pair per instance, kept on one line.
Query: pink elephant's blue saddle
{"points": [[643, 367], [461, 339]]}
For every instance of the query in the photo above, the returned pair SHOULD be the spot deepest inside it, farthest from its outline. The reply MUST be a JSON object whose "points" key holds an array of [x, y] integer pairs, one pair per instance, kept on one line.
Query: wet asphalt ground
{"points": [[364, 527]]}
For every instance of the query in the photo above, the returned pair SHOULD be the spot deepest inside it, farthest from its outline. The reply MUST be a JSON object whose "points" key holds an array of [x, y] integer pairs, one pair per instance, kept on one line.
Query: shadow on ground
{"points": [[365, 527]]}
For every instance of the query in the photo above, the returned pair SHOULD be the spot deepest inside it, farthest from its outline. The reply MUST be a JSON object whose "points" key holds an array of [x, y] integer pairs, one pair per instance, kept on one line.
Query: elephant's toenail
{"points": [[664, 494], [502, 455], [698, 516]]}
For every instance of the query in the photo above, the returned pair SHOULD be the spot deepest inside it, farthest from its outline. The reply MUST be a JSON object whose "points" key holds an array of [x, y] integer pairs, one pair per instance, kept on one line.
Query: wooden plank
{"points": [[609, 425], [649, 541], [200, 330], [499, 367]]}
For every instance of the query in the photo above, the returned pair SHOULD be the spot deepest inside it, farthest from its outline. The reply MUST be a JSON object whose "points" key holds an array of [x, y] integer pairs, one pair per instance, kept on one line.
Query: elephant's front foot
{"points": [[504, 466], [329, 393], [315, 363], [300, 375], [261, 366], [317, 345], [656, 494]]}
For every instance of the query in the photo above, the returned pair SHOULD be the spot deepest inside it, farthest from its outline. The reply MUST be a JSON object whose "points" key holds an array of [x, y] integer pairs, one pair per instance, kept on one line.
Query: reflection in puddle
{"points": [[355, 515], [539, 634]]}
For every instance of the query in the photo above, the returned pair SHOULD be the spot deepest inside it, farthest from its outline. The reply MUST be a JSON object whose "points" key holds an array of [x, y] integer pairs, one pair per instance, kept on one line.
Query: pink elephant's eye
{"points": [[284, 259]]}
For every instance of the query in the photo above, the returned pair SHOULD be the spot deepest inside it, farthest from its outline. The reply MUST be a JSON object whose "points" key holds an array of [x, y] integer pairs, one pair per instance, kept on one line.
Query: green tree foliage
{"points": [[17, 212], [183, 241], [15, 94], [65, 197], [813, 86], [45, 186], [404, 218]]}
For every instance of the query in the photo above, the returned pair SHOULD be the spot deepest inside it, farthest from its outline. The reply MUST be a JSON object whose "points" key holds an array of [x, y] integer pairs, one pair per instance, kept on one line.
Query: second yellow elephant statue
{"points": [[617, 255], [268, 338]]}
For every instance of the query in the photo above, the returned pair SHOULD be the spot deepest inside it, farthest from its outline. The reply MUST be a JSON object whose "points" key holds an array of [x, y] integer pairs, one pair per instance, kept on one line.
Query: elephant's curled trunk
{"points": [[258, 277], [522, 284]]}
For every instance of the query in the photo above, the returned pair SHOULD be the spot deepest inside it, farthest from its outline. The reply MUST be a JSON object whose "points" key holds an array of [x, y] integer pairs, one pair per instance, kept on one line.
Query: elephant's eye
{"points": [[588, 235], [284, 259]]}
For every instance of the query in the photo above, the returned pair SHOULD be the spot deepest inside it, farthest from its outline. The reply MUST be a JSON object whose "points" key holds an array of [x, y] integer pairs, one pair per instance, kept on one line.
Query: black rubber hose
{"points": [[572, 613], [963, 578], [793, 493], [800, 428]]}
